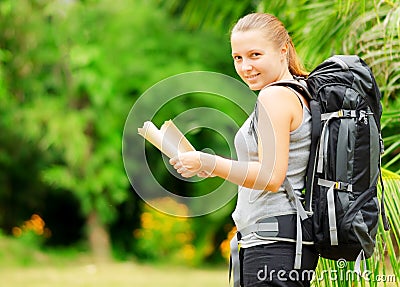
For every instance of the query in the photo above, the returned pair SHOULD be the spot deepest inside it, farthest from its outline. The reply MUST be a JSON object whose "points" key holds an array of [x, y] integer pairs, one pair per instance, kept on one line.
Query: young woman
{"points": [[270, 148]]}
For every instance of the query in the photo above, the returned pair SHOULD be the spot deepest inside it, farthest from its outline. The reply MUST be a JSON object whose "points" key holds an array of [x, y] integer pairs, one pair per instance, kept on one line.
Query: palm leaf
{"points": [[377, 41], [391, 138], [208, 13]]}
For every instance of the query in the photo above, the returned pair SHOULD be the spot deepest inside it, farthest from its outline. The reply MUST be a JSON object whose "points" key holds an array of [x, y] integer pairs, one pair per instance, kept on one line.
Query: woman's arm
{"points": [[276, 109]]}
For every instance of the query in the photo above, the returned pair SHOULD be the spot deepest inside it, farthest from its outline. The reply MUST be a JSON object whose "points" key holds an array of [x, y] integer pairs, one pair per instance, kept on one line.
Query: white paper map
{"points": [[168, 139]]}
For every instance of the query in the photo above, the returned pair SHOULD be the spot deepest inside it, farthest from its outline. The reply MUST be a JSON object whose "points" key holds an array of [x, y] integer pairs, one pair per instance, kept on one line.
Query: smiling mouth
{"points": [[252, 76]]}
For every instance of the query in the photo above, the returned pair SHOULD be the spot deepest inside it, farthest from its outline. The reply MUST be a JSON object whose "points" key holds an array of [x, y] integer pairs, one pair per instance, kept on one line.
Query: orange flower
{"points": [[225, 245]]}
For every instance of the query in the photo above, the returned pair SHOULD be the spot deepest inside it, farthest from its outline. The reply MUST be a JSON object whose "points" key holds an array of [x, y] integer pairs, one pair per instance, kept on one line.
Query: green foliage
{"points": [[375, 36], [15, 252], [85, 64], [33, 231], [391, 137], [69, 73]]}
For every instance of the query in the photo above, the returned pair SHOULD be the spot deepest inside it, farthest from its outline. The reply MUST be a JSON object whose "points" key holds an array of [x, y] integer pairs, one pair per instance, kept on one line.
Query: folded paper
{"points": [[168, 139]]}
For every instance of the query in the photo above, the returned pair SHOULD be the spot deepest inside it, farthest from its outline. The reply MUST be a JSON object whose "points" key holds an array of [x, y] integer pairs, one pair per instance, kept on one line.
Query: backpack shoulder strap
{"points": [[301, 215], [315, 135], [299, 85]]}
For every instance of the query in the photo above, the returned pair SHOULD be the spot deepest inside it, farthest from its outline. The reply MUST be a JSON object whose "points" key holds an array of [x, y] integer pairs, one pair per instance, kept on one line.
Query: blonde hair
{"points": [[275, 32]]}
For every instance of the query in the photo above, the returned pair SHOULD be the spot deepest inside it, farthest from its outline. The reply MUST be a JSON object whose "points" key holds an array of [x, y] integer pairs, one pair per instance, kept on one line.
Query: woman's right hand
{"points": [[193, 163]]}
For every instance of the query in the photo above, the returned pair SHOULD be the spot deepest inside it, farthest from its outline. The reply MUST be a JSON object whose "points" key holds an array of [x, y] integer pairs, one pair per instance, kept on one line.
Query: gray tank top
{"points": [[252, 204]]}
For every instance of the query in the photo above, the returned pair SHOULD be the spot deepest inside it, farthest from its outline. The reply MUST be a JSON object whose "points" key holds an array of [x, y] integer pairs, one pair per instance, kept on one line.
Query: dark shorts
{"points": [[272, 265]]}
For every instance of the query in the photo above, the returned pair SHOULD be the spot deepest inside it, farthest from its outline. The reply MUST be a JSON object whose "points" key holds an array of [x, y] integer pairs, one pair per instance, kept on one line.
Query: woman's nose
{"points": [[246, 66]]}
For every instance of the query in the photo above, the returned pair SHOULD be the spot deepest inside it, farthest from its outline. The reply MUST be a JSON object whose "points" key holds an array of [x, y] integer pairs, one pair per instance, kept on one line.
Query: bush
{"points": [[164, 238]]}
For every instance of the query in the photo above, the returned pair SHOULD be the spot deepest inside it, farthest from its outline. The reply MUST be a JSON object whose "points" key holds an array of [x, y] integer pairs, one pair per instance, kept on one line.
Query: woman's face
{"points": [[256, 60]]}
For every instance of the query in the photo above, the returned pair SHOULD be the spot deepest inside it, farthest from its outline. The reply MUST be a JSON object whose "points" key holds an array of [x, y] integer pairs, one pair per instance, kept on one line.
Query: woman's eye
{"points": [[237, 58], [255, 54]]}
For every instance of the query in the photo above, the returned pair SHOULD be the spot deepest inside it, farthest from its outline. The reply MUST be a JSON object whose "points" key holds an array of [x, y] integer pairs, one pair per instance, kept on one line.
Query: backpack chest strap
{"points": [[339, 114], [344, 186]]}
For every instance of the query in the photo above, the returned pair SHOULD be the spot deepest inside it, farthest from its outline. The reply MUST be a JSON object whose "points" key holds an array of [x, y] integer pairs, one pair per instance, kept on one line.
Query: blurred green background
{"points": [[70, 71]]}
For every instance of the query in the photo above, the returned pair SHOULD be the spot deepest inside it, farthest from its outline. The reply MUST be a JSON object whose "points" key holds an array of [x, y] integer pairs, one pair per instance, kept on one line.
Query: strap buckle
{"points": [[341, 185]]}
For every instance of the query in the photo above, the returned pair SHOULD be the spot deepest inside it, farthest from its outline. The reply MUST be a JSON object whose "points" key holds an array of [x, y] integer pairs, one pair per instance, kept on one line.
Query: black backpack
{"points": [[344, 165]]}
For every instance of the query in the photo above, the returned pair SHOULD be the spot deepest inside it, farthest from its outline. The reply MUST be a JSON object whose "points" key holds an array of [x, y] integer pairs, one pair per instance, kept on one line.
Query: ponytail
{"points": [[296, 68]]}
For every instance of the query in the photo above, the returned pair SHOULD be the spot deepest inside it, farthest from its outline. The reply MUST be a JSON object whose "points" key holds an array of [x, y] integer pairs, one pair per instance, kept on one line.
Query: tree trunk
{"points": [[99, 239]]}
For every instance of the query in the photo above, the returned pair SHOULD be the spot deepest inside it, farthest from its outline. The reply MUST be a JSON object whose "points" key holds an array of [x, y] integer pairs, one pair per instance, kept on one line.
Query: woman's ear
{"points": [[285, 51]]}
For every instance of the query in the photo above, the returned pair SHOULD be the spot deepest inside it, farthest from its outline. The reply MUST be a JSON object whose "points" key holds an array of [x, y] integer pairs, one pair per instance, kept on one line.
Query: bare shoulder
{"points": [[276, 97], [281, 104]]}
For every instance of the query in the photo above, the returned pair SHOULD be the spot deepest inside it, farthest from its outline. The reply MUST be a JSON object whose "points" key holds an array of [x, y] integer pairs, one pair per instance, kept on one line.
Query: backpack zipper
{"points": [[337, 60]]}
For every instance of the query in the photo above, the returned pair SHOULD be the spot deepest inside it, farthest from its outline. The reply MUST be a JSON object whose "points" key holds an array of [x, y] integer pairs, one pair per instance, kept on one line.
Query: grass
{"points": [[22, 265], [81, 273], [111, 274]]}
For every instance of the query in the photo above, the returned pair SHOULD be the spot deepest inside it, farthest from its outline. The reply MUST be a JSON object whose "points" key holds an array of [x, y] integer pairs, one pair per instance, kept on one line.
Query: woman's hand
{"points": [[193, 163]]}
